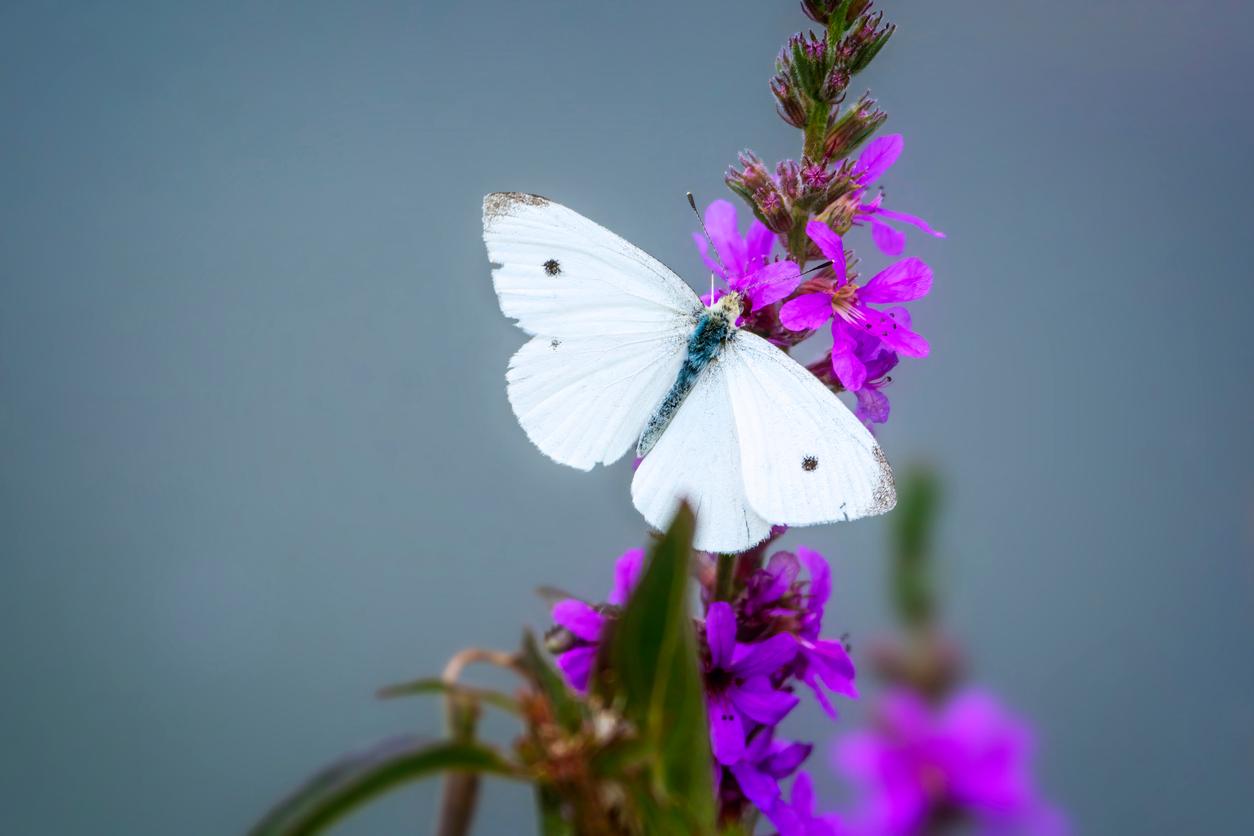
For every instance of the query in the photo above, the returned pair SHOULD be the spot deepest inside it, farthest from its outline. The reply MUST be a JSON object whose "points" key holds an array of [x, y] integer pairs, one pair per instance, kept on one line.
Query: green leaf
{"points": [[353, 780], [918, 498], [568, 710], [653, 656], [438, 686]]}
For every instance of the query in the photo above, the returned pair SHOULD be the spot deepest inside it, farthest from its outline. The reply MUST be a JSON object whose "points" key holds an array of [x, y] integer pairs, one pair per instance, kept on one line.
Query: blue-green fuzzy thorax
{"points": [[713, 330]]}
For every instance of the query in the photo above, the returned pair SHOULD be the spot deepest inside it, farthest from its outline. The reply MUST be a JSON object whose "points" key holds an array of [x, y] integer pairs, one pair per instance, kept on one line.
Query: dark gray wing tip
{"points": [[884, 498], [500, 204]]}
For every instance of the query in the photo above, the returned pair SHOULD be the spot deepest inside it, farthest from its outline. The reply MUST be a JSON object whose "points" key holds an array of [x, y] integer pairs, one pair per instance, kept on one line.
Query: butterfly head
{"points": [[727, 308]]}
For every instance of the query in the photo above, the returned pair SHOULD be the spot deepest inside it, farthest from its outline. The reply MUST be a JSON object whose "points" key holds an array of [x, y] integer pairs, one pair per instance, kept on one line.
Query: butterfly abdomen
{"points": [[707, 340]]}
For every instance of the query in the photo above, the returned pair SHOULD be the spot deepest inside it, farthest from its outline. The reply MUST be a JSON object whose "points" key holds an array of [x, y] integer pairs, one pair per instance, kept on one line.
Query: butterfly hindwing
{"points": [[698, 459], [806, 459], [582, 401]]}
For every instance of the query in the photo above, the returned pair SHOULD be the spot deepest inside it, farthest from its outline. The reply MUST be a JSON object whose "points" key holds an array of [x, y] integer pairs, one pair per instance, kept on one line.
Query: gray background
{"points": [[257, 457]]}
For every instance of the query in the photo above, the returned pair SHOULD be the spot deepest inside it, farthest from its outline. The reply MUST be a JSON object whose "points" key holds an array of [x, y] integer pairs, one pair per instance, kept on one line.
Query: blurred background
{"points": [[256, 457]]}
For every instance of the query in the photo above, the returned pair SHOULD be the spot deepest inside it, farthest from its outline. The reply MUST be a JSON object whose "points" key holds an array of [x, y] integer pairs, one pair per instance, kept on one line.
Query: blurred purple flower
{"points": [[968, 761], [738, 685], [848, 307], [872, 163], [747, 267], [585, 623]]}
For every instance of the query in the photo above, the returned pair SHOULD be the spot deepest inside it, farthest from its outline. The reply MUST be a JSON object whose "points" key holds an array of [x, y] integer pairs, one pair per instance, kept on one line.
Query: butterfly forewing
{"points": [[611, 326], [561, 275]]}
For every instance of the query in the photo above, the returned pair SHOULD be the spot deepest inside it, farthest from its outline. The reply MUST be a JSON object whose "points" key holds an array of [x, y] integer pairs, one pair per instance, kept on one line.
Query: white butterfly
{"points": [[624, 353]]}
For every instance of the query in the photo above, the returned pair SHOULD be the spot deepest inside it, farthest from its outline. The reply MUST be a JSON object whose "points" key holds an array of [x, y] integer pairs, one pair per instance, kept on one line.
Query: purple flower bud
{"points": [[853, 127], [814, 175], [773, 208], [787, 103], [837, 80], [753, 182], [789, 176], [818, 10], [867, 39]]}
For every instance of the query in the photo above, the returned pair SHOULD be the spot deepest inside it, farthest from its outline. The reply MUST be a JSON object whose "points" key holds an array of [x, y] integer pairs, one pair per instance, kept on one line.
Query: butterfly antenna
{"points": [[692, 201], [815, 269]]}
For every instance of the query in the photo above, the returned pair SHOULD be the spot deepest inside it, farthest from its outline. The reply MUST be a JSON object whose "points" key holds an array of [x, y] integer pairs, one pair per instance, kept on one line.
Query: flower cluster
{"points": [[760, 639], [807, 205], [966, 763], [866, 342]]}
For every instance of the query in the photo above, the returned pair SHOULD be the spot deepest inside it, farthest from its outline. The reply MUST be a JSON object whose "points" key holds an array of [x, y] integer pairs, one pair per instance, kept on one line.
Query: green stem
{"points": [[816, 129], [726, 574]]}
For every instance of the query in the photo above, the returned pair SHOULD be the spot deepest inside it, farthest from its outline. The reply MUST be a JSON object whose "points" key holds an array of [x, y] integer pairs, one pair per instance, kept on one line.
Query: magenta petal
{"points": [[873, 406], [811, 679], [762, 703], [786, 758], [759, 242], [832, 663], [902, 315], [802, 793], [878, 156], [820, 577], [626, 575], [902, 281], [579, 618], [759, 744], [721, 222], [576, 664], [912, 220], [806, 312], [828, 242], [772, 283], [763, 657], [703, 247], [782, 569], [890, 241], [850, 370], [720, 634], [727, 733], [757, 786], [896, 335]]}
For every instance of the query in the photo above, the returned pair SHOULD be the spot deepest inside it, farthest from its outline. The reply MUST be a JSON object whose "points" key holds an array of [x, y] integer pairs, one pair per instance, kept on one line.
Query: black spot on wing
{"points": [[809, 464], [552, 267]]}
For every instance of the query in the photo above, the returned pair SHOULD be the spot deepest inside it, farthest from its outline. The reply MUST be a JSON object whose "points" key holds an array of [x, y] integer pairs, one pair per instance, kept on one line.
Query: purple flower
{"points": [[627, 571], [822, 662], [585, 623], [737, 683], [969, 759], [766, 762], [877, 158], [873, 406], [797, 818], [747, 268], [848, 307]]}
